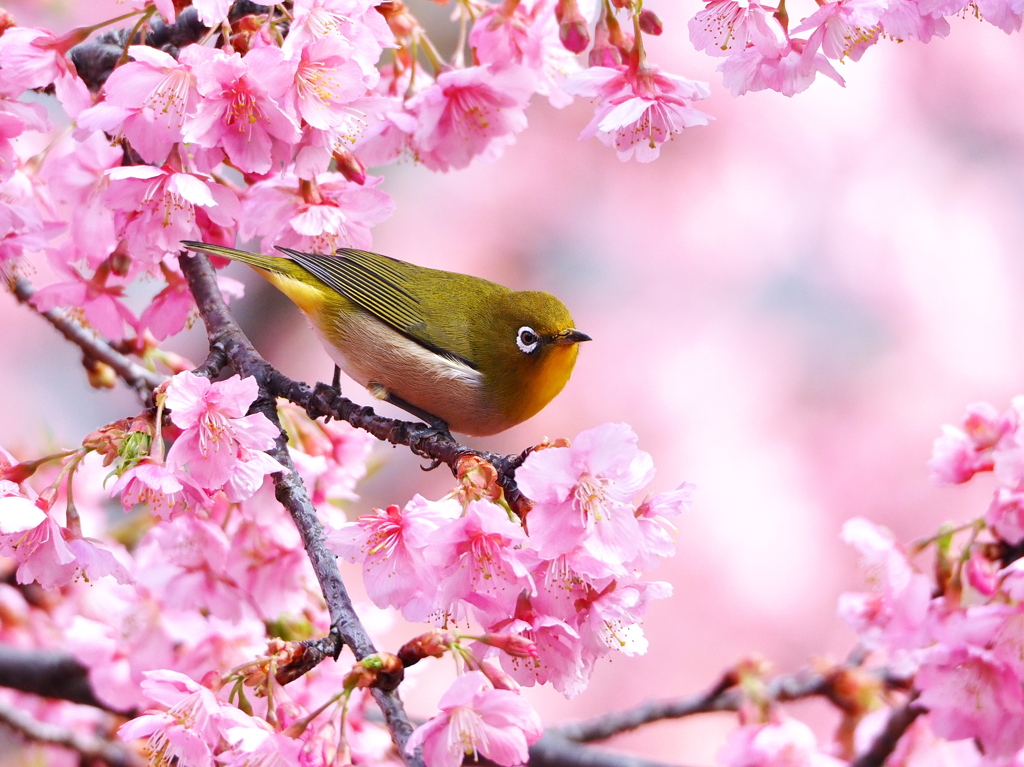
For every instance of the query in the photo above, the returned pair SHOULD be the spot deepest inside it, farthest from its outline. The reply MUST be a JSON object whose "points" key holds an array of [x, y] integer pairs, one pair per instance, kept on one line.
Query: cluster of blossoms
{"points": [[210, 570], [952, 637], [941, 651], [761, 51], [269, 132]]}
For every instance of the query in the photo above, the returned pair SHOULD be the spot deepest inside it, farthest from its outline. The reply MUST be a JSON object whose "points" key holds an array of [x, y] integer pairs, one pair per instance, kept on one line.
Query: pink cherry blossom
{"points": [[355, 21], [389, 138], [528, 37], [34, 58], [75, 172], [776, 744], [147, 100], [15, 119], [905, 20], [557, 647], [656, 529], [22, 225], [469, 113], [240, 111], [220, 445], [955, 458], [844, 27], [639, 109], [187, 730], [963, 451], [610, 619], [326, 81], [789, 71], [476, 719], [47, 553], [256, 743], [971, 693], [725, 27], [391, 544], [478, 561], [170, 309], [894, 615], [212, 12], [319, 216], [583, 493], [98, 297], [164, 490], [158, 207], [1005, 515], [1005, 14]]}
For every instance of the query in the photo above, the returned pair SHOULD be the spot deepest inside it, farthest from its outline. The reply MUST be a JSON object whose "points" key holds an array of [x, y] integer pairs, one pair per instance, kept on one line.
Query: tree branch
{"points": [[90, 747], [140, 379], [555, 750], [224, 334], [899, 722], [50, 673]]}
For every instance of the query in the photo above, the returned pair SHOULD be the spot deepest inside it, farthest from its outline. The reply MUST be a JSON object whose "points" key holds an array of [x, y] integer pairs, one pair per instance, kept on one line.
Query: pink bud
{"points": [[350, 166], [572, 27], [650, 24]]}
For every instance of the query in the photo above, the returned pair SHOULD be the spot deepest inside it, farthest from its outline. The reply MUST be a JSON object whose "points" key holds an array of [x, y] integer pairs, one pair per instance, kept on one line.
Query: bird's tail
{"points": [[308, 292], [269, 263]]}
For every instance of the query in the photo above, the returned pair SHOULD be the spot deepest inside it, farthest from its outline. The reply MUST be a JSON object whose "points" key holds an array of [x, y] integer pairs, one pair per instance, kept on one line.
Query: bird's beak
{"points": [[571, 336]]}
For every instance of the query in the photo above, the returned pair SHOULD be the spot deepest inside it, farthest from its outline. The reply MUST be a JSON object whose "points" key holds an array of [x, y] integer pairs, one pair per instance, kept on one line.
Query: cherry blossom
{"points": [[34, 58], [319, 216], [390, 544], [469, 113], [476, 719], [639, 109], [147, 100], [583, 493], [156, 208], [725, 27], [220, 446], [240, 109]]}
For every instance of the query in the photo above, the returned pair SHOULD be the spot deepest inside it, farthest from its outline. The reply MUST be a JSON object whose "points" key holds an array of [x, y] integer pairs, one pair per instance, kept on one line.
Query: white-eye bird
{"points": [[449, 348]]}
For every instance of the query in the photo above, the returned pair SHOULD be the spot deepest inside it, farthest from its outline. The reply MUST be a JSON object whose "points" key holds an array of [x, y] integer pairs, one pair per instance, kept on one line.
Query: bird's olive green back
{"points": [[443, 311]]}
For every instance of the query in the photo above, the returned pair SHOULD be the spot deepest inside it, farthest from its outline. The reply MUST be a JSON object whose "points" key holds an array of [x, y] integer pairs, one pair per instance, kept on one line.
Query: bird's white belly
{"points": [[375, 356]]}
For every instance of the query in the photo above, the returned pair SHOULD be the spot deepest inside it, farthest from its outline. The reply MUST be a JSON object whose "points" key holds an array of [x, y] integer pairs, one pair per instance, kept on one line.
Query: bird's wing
{"points": [[379, 285]]}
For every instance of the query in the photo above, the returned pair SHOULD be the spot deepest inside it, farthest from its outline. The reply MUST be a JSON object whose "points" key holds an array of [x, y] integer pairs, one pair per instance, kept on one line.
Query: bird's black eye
{"points": [[527, 340]]}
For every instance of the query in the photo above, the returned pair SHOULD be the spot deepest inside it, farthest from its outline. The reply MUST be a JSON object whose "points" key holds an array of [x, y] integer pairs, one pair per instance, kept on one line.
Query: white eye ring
{"points": [[527, 339]]}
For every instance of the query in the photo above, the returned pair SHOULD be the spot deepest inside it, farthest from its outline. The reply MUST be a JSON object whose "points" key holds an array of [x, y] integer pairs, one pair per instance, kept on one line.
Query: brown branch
{"points": [[226, 337], [90, 747], [50, 673], [725, 695], [137, 377], [555, 750], [899, 722]]}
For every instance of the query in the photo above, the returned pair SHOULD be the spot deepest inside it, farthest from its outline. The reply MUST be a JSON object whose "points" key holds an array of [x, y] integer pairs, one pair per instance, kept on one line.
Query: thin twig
{"points": [[90, 747], [140, 379]]}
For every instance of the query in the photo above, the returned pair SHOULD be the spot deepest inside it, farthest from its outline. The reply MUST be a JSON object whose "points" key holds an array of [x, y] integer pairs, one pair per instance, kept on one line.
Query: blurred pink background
{"points": [[786, 307]]}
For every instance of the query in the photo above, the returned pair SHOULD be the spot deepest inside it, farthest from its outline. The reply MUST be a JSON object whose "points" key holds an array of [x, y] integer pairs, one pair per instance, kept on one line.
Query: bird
{"points": [[459, 352]]}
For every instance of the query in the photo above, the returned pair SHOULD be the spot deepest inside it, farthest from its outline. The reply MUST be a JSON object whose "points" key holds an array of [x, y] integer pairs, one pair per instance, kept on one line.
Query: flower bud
{"points": [[497, 676], [100, 374], [572, 27], [650, 24], [478, 479], [433, 644], [350, 166], [515, 645], [6, 20]]}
